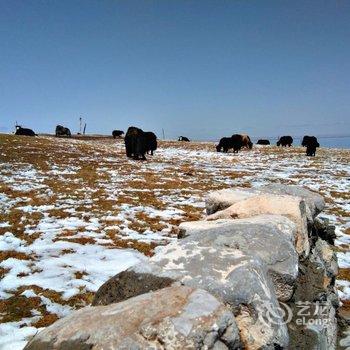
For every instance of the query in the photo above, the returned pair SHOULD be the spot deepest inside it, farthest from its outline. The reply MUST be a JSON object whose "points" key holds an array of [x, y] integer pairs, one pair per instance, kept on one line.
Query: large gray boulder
{"points": [[240, 280], [291, 207], [269, 237], [171, 318]]}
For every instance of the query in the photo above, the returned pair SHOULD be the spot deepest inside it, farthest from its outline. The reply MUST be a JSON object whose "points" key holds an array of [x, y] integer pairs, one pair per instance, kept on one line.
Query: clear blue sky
{"points": [[202, 69]]}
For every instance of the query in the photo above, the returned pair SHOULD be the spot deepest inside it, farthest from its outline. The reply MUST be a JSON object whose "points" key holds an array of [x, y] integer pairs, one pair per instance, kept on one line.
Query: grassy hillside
{"points": [[67, 206]]}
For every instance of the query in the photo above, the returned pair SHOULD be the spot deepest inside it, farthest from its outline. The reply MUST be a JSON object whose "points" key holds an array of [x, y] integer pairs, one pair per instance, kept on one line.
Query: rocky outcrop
{"points": [[221, 285], [171, 318]]}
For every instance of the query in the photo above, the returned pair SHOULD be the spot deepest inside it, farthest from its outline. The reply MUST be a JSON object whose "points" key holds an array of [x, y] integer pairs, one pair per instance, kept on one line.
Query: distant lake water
{"points": [[335, 142], [328, 142], [331, 142]]}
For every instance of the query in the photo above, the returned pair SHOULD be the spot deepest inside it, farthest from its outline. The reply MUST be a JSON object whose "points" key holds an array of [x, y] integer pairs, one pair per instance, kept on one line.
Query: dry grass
{"points": [[7, 254], [45, 321], [18, 307], [344, 274]]}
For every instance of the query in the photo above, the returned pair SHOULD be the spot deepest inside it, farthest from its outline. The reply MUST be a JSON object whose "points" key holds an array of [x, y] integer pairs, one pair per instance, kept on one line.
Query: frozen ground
{"points": [[75, 212]]}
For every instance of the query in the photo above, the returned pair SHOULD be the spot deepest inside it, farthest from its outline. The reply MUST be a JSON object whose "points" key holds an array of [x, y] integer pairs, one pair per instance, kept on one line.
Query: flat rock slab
{"points": [[172, 318], [222, 199], [314, 201], [291, 207], [269, 237]]}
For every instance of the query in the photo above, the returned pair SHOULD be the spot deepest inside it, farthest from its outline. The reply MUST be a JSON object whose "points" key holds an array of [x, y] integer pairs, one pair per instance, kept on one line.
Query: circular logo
{"points": [[274, 314]]}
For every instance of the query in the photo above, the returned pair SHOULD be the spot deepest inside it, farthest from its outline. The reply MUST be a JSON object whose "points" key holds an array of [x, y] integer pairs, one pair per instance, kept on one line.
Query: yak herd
{"points": [[138, 143]]}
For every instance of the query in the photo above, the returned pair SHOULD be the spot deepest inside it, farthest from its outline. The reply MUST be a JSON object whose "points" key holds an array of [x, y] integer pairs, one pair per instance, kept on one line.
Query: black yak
{"points": [[184, 138], [238, 141], [263, 142], [24, 131], [117, 133], [226, 143], [131, 138], [311, 143], [62, 131], [285, 141], [138, 143]]}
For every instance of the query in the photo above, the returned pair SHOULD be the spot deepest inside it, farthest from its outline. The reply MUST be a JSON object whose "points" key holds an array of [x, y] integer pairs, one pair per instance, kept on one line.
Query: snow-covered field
{"points": [[75, 212]]}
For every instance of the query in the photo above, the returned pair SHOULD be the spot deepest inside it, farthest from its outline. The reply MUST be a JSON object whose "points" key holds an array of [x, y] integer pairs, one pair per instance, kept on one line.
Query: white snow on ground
{"points": [[56, 271], [89, 199]]}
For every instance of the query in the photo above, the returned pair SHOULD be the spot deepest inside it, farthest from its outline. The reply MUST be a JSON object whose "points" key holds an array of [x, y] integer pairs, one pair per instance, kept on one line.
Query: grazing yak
{"points": [[285, 141], [184, 138], [24, 131], [62, 131], [246, 142], [311, 143], [138, 143], [117, 133], [263, 142], [226, 143], [239, 141]]}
